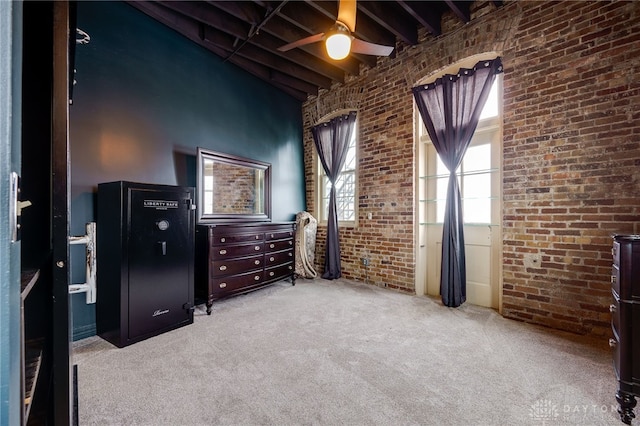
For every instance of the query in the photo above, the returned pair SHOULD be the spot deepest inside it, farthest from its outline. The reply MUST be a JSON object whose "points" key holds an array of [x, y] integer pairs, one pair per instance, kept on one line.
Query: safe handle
{"points": [[162, 245]]}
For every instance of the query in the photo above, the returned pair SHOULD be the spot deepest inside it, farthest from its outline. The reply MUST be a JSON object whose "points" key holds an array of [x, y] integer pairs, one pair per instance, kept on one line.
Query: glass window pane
{"points": [[441, 196], [441, 169], [350, 160], [477, 186], [477, 157], [345, 187], [477, 210], [491, 107]]}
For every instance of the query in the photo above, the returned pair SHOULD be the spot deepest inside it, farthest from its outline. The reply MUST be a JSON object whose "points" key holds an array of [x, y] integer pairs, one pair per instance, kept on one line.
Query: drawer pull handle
{"points": [[257, 262], [271, 235], [271, 273], [290, 254], [223, 268], [223, 252], [222, 240], [223, 285], [613, 343], [257, 237], [256, 248], [272, 245], [612, 308], [271, 259], [257, 278], [290, 243], [290, 267], [613, 279]]}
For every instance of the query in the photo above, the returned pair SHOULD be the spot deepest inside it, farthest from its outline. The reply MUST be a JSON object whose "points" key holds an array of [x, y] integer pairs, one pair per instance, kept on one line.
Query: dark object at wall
{"points": [[625, 322], [238, 258], [145, 238]]}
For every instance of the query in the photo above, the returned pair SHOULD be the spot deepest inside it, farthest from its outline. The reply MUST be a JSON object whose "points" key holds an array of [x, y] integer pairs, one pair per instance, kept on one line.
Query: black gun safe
{"points": [[145, 253]]}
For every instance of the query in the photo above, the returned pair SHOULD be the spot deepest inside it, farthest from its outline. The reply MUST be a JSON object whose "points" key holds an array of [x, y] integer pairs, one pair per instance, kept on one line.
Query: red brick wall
{"points": [[571, 153]]}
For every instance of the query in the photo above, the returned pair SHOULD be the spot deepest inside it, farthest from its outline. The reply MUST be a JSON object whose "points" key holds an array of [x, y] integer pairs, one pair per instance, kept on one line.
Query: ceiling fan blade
{"points": [[366, 48], [347, 13], [307, 40]]}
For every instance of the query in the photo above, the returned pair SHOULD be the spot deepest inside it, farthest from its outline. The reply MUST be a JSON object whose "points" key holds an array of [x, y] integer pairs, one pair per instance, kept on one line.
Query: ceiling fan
{"points": [[338, 40]]}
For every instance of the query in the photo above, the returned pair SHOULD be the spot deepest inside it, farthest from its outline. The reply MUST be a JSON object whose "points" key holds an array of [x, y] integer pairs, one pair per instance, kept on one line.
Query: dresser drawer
{"points": [[225, 239], [614, 343], [222, 267], [226, 285], [222, 252], [278, 272], [615, 279], [278, 235], [278, 245], [278, 258], [614, 308]]}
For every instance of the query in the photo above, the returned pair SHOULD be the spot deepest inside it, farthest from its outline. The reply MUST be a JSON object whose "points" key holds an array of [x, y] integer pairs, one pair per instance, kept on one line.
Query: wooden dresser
{"points": [[240, 257], [625, 322]]}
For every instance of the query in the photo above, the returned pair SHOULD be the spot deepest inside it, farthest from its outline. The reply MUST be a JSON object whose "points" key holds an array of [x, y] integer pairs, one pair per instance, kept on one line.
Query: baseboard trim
{"points": [[84, 332]]}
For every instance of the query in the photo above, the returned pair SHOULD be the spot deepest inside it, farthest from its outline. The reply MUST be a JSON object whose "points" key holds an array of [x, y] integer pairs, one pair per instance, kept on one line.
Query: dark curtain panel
{"points": [[450, 108], [332, 142]]}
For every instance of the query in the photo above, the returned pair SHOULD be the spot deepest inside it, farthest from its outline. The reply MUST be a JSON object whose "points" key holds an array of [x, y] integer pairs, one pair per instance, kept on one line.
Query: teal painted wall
{"points": [[146, 98], [10, 116]]}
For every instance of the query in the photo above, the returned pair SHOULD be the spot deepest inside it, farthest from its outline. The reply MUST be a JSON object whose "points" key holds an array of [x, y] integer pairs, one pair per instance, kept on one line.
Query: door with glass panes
{"points": [[479, 179]]}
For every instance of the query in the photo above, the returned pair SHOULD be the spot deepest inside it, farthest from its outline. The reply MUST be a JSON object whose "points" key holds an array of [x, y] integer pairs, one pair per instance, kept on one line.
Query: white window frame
{"points": [[322, 182]]}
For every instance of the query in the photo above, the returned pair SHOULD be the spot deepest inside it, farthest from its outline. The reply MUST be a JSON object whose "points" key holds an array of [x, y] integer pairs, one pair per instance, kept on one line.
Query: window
{"points": [[345, 187], [479, 180], [475, 172]]}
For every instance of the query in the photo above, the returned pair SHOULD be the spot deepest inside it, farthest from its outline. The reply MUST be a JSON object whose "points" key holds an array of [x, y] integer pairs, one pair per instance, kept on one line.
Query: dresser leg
{"points": [[625, 408], [209, 305]]}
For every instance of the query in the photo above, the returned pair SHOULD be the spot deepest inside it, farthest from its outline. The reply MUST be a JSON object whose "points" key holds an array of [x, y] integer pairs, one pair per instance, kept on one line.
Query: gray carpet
{"points": [[344, 353]]}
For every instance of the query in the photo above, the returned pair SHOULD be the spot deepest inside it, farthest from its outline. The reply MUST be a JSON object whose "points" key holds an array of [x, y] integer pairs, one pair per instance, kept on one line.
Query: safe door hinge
{"points": [[188, 307]]}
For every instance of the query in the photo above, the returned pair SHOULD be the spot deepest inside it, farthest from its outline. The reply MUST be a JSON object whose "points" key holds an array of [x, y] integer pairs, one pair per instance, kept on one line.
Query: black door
{"points": [[160, 259]]}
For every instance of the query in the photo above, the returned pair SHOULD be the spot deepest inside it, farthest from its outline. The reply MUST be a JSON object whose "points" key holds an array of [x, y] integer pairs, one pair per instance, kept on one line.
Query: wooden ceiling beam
{"points": [[461, 9], [285, 33], [265, 58], [386, 17], [424, 13], [192, 31], [221, 21], [311, 22]]}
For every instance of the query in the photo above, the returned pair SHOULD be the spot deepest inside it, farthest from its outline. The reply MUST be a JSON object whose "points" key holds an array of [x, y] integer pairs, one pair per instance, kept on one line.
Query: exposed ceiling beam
{"points": [[462, 9], [243, 32], [395, 23], [423, 13], [249, 33], [283, 31], [192, 31]]}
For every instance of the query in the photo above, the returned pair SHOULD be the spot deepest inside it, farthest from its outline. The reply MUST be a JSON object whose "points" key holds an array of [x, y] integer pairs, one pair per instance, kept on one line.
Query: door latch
{"points": [[15, 207]]}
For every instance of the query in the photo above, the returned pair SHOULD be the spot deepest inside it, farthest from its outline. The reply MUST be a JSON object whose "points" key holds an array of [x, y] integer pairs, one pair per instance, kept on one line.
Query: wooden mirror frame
{"points": [[231, 160]]}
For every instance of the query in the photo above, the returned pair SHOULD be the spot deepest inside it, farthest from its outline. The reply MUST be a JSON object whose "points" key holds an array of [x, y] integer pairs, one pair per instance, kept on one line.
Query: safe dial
{"points": [[163, 225]]}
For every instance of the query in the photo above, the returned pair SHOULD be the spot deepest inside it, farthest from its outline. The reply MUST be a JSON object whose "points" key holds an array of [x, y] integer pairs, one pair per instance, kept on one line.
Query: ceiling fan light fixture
{"points": [[338, 43]]}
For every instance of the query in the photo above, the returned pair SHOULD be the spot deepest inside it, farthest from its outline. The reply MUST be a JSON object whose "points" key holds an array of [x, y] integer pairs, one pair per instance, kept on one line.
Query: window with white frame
{"points": [[346, 204], [478, 168]]}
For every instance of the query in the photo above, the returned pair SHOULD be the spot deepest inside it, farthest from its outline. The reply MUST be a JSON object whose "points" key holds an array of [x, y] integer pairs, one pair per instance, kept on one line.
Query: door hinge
{"points": [[188, 307]]}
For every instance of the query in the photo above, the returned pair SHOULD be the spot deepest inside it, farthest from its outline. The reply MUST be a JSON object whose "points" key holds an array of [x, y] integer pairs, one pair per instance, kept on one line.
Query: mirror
{"points": [[232, 189]]}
